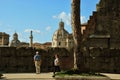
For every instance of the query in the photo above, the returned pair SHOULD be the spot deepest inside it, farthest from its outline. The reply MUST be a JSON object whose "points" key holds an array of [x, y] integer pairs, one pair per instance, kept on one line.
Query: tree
{"points": [[76, 28]]}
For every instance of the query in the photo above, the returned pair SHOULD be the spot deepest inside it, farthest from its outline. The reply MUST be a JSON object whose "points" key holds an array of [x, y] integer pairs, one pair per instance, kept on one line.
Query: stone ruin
{"points": [[104, 25], [101, 39], [20, 60]]}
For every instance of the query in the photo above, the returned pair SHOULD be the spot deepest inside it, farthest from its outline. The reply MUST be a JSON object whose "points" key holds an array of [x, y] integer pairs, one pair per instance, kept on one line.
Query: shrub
{"points": [[77, 72], [1, 75]]}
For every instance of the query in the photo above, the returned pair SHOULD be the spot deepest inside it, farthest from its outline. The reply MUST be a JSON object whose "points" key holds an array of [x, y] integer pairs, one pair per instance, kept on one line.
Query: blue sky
{"points": [[40, 16]]}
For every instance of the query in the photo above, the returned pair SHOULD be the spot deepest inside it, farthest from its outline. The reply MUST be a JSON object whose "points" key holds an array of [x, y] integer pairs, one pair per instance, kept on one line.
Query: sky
{"points": [[40, 16]]}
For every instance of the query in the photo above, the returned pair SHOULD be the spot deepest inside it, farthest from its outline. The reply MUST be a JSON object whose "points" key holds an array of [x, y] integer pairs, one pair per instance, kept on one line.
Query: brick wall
{"points": [[21, 59]]}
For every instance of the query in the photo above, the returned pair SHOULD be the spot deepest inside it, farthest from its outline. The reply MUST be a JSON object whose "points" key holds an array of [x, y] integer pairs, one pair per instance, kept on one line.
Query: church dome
{"points": [[61, 32], [15, 34], [61, 38], [15, 42]]}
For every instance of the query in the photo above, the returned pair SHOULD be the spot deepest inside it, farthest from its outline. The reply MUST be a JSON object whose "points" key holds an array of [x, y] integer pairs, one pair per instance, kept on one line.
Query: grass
{"points": [[75, 72]]}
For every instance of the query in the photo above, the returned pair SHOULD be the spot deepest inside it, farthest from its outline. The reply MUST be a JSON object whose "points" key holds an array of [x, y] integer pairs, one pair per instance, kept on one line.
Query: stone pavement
{"points": [[112, 76], [28, 76], [44, 76]]}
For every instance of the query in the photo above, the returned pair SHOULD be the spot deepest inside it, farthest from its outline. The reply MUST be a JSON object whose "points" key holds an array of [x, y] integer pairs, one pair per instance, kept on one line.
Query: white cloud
{"points": [[22, 36], [83, 19], [36, 35], [48, 28], [34, 30], [65, 17], [36, 41]]}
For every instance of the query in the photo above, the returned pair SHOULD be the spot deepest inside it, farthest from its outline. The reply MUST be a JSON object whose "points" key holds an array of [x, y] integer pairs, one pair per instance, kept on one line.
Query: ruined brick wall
{"points": [[103, 60], [105, 21], [16, 60], [21, 59]]}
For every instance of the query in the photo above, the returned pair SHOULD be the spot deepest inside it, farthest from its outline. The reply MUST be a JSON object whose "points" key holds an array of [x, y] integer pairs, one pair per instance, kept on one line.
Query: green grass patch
{"points": [[75, 72]]}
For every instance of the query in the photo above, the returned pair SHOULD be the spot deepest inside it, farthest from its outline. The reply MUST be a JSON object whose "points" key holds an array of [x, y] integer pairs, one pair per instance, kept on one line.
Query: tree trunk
{"points": [[76, 28]]}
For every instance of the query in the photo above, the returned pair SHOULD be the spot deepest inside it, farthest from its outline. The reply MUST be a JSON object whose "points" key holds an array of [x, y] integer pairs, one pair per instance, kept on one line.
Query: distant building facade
{"points": [[15, 42], [83, 27], [61, 38], [4, 39]]}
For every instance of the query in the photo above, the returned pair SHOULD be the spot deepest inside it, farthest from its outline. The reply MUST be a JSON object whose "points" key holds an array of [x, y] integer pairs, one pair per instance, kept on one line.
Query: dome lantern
{"points": [[61, 24]]}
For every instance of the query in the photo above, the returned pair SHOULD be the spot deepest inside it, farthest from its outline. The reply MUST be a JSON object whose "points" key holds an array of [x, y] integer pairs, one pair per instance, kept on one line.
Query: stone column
{"points": [[31, 40]]}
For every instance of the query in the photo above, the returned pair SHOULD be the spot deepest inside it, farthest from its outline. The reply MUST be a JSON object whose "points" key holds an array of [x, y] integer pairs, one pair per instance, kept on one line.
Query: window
{"points": [[59, 43]]}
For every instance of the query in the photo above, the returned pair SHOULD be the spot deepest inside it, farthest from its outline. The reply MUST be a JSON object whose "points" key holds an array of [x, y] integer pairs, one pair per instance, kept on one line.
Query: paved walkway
{"points": [[28, 76], [44, 76], [112, 76]]}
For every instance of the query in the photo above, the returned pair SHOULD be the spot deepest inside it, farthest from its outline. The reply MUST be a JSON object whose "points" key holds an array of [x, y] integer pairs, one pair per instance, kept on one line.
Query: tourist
{"points": [[56, 67], [37, 61]]}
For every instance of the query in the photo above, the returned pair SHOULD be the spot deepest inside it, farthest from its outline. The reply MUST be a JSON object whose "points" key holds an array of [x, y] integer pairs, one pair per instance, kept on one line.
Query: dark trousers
{"points": [[56, 69]]}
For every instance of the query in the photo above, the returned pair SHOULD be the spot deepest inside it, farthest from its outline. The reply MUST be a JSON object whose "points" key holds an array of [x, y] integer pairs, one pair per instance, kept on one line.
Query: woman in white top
{"points": [[56, 65]]}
